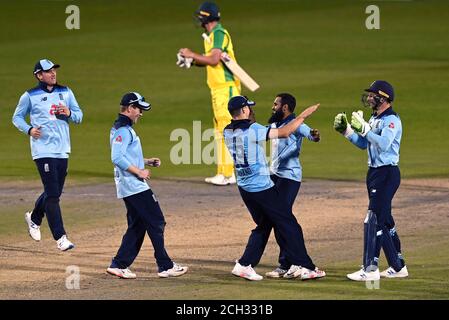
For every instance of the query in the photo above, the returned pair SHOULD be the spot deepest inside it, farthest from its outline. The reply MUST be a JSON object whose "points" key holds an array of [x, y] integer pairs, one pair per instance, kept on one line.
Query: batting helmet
{"points": [[207, 12]]}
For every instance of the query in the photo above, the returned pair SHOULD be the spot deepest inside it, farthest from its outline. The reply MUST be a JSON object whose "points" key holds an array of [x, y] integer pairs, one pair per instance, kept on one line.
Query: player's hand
{"points": [[36, 132], [144, 174], [63, 110], [186, 53], [307, 112], [315, 135], [359, 124], [153, 162]]}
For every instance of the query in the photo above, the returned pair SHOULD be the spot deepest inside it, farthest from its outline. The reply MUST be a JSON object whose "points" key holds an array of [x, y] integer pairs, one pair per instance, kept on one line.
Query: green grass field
{"points": [[318, 50]]}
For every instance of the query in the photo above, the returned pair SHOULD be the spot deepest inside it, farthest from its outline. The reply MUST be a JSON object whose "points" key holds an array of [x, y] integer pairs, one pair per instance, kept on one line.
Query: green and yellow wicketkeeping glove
{"points": [[341, 124], [359, 124]]}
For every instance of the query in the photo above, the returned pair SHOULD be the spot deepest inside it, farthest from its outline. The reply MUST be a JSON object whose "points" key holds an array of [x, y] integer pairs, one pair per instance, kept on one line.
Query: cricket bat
{"points": [[239, 72]]}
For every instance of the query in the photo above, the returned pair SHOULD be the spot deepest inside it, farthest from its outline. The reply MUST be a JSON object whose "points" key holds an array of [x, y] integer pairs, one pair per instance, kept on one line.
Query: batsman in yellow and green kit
{"points": [[222, 83]]}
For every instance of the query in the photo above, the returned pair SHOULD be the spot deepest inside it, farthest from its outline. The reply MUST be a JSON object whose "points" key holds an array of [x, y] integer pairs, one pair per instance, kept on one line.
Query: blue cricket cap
{"points": [[382, 88], [44, 65], [137, 99], [239, 102]]}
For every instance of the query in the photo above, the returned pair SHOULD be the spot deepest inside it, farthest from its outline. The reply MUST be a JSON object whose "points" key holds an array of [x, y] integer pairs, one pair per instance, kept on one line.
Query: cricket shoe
{"points": [[307, 274], [363, 275], [303, 273], [221, 180], [121, 273], [245, 272], [276, 273], [64, 244], [391, 273], [175, 271], [33, 229]]}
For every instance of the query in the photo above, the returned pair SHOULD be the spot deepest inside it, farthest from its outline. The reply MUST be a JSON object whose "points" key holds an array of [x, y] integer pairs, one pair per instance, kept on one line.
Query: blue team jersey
{"points": [[40, 105], [245, 144], [126, 150], [285, 152], [383, 141]]}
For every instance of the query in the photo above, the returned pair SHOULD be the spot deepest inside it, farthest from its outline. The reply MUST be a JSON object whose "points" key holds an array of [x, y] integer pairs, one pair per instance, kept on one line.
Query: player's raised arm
{"points": [[292, 126]]}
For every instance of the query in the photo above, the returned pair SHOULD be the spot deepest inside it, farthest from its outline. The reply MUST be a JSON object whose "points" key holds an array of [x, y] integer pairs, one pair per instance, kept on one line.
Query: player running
{"points": [[51, 108]]}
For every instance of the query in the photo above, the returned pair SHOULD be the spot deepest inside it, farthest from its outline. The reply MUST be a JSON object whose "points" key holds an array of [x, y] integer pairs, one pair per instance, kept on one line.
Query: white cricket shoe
{"points": [[293, 272], [33, 229], [121, 273], [221, 180], [246, 272], [64, 244], [232, 179], [276, 273], [175, 271], [363, 275], [307, 274], [391, 273], [304, 273]]}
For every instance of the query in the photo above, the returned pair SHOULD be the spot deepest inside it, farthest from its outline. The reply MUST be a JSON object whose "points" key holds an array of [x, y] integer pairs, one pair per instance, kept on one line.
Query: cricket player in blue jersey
{"points": [[381, 136], [285, 169], [268, 209], [144, 214], [51, 108]]}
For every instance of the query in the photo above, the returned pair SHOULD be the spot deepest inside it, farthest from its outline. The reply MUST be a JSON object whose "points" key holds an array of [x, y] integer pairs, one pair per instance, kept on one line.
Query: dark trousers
{"points": [[288, 189], [269, 211], [382, 184], [53, 172], [144, 215]]}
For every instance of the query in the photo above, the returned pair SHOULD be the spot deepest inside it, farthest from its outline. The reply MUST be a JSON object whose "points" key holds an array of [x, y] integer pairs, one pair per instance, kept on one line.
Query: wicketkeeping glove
{"points": [[359, 124], [341, 125]]}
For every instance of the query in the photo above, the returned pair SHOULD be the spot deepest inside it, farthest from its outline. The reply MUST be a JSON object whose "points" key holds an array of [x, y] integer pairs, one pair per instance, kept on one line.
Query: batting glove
{"points": [[184, 62], [341, 125], [359, 124]]}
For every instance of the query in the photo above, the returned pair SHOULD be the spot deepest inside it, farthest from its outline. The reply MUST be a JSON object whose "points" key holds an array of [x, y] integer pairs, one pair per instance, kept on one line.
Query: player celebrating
{"points": [[285, 169], [144, 214], [220, 80], [381, 136], [268, 210], [51, 107]]}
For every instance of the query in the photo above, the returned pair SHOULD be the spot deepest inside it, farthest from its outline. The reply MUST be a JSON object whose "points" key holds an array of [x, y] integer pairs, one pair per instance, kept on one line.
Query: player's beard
{"points": [[276, 117]]}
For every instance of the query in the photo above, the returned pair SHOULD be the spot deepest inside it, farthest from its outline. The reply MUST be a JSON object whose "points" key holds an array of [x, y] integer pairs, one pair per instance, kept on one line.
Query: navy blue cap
{"points": [[239, 102], [207, 12], [382, 88], [136, 99], [44, 65]]}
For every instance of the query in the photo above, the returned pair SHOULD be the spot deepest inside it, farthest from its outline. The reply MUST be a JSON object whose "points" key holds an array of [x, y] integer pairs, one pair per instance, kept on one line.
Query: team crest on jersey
{"points": [[118, 139], [61, 97], [391, 125]]}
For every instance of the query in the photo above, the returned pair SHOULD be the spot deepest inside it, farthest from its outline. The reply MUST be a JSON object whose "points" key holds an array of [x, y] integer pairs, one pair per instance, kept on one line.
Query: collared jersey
{"points": [[219, 76], [243, 141], [285, 152], [126, 150], [40, 105], [383, 141]]}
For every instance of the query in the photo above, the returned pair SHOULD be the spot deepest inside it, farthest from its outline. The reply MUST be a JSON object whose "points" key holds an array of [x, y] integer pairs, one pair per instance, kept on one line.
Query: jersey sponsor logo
{"points": [[44, 99], [53, 109], [391, 125]]}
